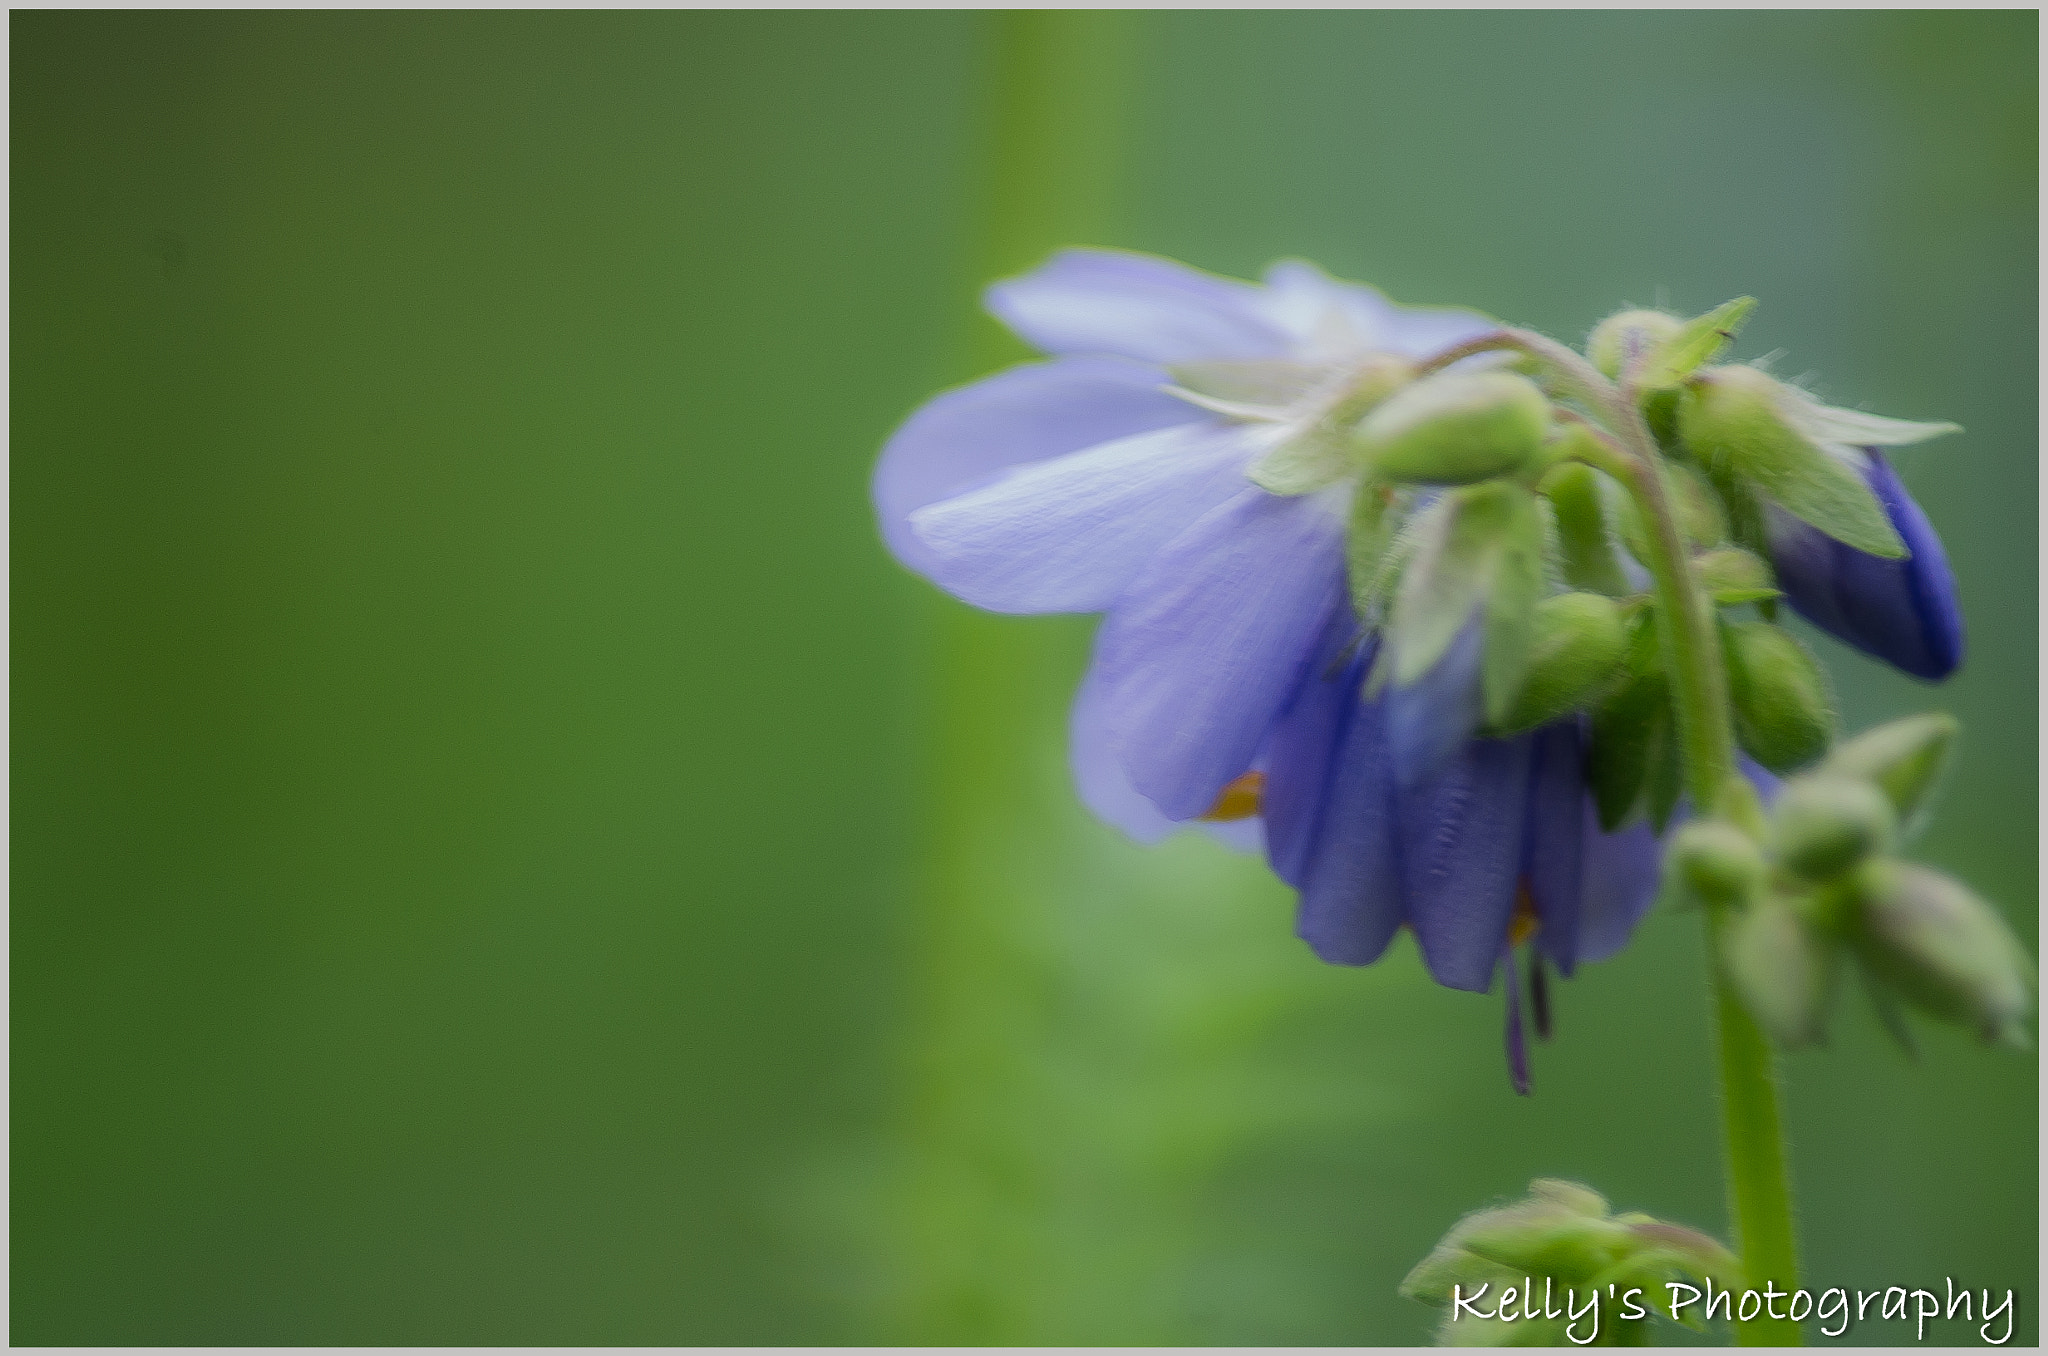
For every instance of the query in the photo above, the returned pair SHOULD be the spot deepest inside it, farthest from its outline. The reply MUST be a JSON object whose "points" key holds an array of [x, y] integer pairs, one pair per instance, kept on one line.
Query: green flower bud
{"points": [[1780, 968], [1783, 717], [1578, 510], [1715, 863], [1822, 826], [1742, 421], [1630, 334], [1561, 1233], [1944, 950], [1904, 759], [1575, 653], [1454, 428]]}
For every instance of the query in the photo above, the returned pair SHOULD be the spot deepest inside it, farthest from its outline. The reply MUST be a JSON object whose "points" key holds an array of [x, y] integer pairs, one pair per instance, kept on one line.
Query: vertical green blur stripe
{"points": [[1051, 144], [1754, 1155]]}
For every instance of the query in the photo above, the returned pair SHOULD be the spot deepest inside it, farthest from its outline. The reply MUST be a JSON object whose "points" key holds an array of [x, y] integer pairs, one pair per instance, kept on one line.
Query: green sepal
{"points": [[1784, 716], [1585, 535], [1466, 541], [1824, 826], [1737, 416], [1578, 651], [1696, 342], [1511, 609], [1367, 542], [1713, 863], [1303, 463], [1629, 730], [1270, 382], [1781, 970], [1731, 569], [1903, 758]]}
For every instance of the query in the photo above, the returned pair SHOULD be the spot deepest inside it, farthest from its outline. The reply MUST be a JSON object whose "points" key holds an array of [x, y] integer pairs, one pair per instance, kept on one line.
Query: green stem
{"points": [[1753, 1140]]}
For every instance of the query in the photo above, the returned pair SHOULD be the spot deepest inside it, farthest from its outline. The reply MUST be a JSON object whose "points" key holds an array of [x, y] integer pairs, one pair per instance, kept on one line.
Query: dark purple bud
{"points": [[1901, 611]]}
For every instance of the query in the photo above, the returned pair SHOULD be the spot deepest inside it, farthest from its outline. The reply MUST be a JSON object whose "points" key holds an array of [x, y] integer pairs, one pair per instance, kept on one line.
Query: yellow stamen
{"points": [[1240, 799], [1523, 924]]}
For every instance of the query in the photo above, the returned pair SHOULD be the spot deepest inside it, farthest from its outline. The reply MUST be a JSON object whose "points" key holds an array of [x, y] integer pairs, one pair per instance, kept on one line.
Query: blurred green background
{"points": [[500, 854]]}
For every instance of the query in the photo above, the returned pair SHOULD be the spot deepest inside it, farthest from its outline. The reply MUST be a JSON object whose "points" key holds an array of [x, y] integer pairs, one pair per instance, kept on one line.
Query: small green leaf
{"points": [[1696, 342], [1457, 551], [1374, 519]]}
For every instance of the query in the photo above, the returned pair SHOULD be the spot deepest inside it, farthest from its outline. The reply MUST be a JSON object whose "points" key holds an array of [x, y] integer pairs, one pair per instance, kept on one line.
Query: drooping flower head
{"points": [[1361, 606]]}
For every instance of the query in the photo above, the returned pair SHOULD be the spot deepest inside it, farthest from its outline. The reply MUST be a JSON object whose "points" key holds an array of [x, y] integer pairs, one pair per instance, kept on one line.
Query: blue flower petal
{"points": [[1436, 715], [961, 438], [1554, 839], [1461, 856], [1136, 305], [1207, 648], [1619, 873], [1902, 611], [1303, 747], [1351, 889], [1070, 534]]}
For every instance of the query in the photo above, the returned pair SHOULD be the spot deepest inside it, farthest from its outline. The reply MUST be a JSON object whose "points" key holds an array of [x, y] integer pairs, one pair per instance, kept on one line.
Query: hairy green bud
{"points": [[1454, 428], [1822, 826], [1630, 336], [1944, 950], [1783, 717], [1575, 653], [1585, 541], [1780, 968], [1715, 863], [1903, 758]]}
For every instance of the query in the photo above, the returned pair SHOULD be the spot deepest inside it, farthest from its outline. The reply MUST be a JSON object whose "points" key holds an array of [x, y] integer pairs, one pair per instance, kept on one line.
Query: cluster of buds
{"points": [[1557, 1267], [1485, 500], [1816, 883]]}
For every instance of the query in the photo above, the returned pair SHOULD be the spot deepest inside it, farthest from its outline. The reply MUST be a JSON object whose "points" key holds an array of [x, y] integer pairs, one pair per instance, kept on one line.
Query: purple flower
{"points": [[1133, 474], [1902, 611]]}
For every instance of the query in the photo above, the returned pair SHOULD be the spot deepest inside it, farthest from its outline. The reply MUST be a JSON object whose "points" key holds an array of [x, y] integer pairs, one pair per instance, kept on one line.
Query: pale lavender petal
{"points": [[1303, 745], [1351, 891], [957, 440], [1098, 777], [1554, 841], [1208, 647], [1138, 306], [1302, 298], [1436, 715], [1070, 534], [1461, 856]]}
